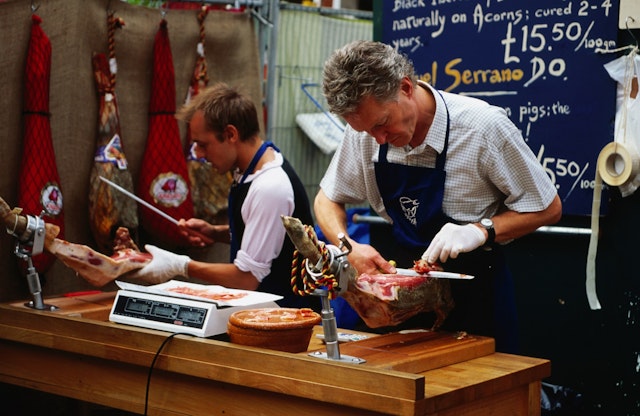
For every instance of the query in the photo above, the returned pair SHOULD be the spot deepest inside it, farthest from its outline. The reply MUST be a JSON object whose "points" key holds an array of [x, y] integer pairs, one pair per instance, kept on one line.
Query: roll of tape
{"points": [[617, 164]]}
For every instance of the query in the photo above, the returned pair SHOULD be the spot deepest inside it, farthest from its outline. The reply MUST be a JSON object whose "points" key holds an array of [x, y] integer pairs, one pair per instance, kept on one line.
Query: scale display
{"points": [[175, 314], [165, 313], [162, 311]]}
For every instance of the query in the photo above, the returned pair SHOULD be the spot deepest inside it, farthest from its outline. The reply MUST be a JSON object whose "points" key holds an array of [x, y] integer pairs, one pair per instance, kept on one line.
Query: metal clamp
{"points": [[338, 264], [31, 243]]}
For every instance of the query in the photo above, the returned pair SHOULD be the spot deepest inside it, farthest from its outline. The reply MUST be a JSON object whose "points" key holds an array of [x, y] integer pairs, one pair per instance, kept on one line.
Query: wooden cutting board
{"points": [[418, 351]]}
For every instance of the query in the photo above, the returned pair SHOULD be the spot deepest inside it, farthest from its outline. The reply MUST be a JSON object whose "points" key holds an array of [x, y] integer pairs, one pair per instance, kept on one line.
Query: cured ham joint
{"points": [[383, 299], [96, 268]]}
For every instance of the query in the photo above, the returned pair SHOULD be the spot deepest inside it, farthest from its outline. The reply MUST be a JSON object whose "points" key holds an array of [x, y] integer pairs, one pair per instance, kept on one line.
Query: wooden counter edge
{"points": [[432, 391], [294, 374], [449, 386]]}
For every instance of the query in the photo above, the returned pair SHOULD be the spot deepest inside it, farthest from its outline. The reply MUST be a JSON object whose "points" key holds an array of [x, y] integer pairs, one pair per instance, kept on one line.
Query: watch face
{"points": [[486, 222]]}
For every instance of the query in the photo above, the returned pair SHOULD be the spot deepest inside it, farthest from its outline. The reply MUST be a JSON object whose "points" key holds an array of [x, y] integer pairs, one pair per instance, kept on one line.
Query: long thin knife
{"points": [[434, 274], [139, 200], [158, 211]]}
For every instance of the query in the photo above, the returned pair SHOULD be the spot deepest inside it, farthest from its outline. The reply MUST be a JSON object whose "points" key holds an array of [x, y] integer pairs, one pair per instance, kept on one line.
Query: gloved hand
{"points": [[164, 266], [452, 240]]}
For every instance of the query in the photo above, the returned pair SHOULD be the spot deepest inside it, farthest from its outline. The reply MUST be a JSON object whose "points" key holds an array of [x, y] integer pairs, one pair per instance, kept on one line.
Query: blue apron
{"points": [[278, 281], [233, 197], [413, 197]]}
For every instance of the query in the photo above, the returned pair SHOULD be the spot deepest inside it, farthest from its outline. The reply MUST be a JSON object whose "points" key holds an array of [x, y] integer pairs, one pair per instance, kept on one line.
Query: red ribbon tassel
{"points": [[39, 181], [163, 174]]}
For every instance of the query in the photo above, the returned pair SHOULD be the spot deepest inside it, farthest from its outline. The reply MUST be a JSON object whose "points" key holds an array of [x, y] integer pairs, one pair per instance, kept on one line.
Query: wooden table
{"points": [[76, 352]]}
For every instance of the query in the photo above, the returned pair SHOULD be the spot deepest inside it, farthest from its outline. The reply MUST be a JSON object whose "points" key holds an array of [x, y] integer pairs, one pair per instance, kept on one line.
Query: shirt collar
{"points": [[438, 130]]}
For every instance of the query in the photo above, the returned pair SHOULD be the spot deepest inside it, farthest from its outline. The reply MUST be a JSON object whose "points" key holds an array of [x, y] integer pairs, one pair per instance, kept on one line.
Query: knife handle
{"points": [[205, 239]]}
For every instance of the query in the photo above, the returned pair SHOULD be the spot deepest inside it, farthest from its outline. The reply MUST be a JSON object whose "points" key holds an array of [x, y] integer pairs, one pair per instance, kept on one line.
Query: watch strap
{"points": [[487, 224]]}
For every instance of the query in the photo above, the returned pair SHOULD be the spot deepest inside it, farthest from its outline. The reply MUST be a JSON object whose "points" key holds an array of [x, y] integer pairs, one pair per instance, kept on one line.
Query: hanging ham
{"points": [[209, 189], [108, 208], [39, 181], [163, 174]]}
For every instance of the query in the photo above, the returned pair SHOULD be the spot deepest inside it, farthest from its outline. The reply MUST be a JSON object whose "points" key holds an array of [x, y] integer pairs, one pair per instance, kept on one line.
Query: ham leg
{"points": [[108, 208], [94, 267], [209, 188], [39, 180], [381, 299], [163, 173]]}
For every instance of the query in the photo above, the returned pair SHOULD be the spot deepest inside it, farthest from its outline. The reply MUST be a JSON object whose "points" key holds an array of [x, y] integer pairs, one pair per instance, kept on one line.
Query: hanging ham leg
{"points": [[108, 208], [209, 188], [39, 181], [163, 178]]}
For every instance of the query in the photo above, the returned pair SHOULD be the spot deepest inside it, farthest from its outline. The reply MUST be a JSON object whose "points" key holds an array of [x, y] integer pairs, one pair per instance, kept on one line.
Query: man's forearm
{"points": [[331, 217]]}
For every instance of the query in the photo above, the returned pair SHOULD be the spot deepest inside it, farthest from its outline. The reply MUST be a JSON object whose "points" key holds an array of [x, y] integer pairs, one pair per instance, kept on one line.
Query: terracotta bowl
{"points": [[282, 329]]}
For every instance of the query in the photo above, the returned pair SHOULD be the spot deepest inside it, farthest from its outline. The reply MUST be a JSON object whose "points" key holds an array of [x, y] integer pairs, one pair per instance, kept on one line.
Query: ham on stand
{"points": [[94, 267], [379, 299]]}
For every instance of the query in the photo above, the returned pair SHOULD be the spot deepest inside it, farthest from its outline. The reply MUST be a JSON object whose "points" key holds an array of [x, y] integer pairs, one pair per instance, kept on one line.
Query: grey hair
{"points": [[361, 69]]}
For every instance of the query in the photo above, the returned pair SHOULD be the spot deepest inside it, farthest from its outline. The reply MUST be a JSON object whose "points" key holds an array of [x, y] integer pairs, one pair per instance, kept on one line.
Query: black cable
{"points": [[146, 396]]}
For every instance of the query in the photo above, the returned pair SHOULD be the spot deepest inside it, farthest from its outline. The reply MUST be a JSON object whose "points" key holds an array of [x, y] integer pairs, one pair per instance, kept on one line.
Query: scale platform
{"points": [[176, 306]]}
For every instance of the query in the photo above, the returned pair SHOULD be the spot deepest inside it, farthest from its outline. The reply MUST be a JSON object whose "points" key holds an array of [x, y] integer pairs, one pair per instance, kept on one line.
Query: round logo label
{"points": [[169, 189], [51, 199]]}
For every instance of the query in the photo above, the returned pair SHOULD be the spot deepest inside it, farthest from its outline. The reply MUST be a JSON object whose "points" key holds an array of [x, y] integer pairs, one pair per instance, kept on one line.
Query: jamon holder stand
{"points": [[338, 264], [28, 244]]}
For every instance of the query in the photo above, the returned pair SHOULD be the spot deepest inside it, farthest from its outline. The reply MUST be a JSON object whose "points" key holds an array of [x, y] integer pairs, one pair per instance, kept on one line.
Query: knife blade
{"points": [[139, 200], [434, 274], [158, 211]]}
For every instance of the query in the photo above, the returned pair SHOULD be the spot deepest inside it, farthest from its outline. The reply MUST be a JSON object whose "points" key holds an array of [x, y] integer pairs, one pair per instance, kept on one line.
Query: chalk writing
{"points": [[537, 60]]}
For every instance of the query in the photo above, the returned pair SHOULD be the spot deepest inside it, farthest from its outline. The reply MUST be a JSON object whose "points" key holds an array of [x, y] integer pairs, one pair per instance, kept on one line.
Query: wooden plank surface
{"points": [[290, 374], [418, 351], [50, 343], [123, 386]]}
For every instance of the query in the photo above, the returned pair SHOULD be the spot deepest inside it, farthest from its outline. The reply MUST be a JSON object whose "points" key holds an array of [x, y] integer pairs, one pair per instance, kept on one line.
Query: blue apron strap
{"points": [[235, 246], [442, 157], [256, 158]]}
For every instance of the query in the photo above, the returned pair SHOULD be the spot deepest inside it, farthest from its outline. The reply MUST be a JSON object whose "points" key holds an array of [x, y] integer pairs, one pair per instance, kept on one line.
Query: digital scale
{"points": [[201, 318]]}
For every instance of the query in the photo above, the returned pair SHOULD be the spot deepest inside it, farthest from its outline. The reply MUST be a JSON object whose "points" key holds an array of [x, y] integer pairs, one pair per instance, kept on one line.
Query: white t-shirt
{"points": [[270, 196]]}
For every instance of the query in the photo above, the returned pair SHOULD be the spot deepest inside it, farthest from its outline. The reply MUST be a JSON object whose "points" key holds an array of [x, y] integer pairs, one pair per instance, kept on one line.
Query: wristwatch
{"points": [[487, 224]]}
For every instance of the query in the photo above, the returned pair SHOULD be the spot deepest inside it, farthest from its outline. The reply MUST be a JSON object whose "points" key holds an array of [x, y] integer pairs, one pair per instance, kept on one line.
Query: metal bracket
{"points": [[338, 264]]}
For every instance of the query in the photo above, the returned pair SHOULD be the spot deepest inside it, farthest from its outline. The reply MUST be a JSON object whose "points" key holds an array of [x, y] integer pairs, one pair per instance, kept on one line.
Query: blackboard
{"points": [[541, 60]]}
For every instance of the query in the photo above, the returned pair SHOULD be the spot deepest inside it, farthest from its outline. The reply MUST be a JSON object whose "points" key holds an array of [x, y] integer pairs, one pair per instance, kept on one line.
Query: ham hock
{"points": [[96, 268], [379, 299]]}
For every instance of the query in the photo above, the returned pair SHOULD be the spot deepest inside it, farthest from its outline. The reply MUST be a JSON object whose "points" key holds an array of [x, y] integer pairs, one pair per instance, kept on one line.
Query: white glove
{"points": [[164, 266], [452, 240]]}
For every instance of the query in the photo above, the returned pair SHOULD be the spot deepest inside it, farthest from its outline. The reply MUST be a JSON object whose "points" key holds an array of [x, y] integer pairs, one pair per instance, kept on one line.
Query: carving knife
{"points": [[434, 274], [158, 211]]}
